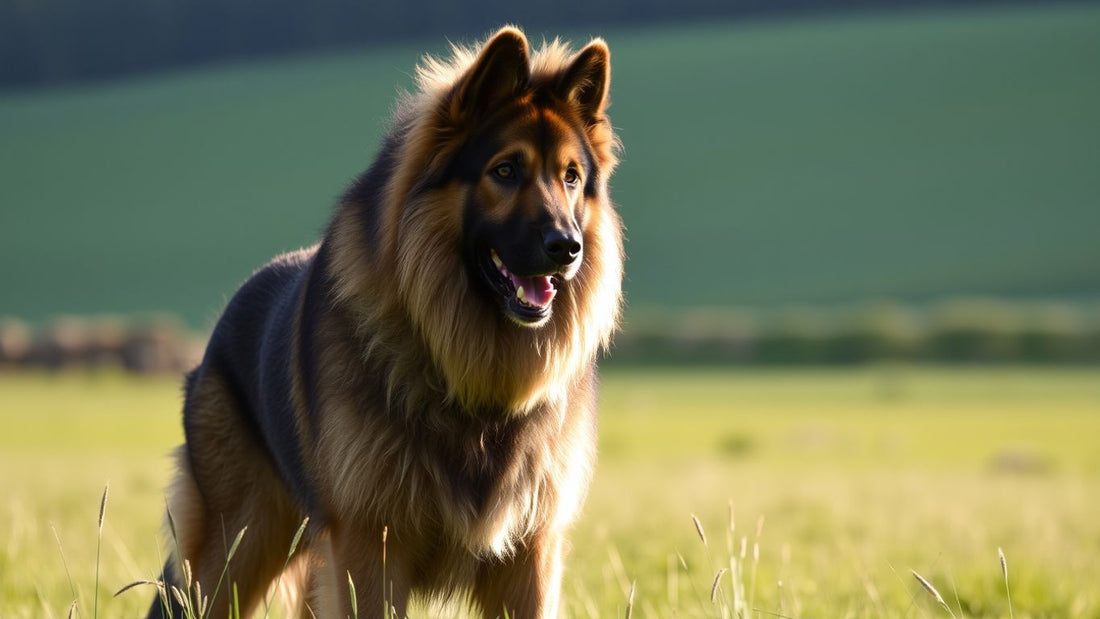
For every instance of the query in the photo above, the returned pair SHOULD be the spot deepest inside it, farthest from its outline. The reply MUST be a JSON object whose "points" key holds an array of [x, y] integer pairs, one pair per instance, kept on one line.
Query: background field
{"points": [[911, 155], [859, 476]]}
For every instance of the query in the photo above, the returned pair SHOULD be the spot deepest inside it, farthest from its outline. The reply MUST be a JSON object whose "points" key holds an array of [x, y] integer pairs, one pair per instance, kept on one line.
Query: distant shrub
{"points": [[975, 330], [147, 344], [1055, 332], [877, 331], [797, 334], [15, 341], [61, 343], [954, 330], [154, 345]]}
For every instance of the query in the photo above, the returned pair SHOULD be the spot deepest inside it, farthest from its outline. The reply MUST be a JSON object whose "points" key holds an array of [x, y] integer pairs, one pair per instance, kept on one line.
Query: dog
{"points": [[421, 384]]}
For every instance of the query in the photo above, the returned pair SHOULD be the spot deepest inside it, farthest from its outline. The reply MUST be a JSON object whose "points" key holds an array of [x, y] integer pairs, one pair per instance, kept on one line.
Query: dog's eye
{"points": [[504, 171], [571, 177]]}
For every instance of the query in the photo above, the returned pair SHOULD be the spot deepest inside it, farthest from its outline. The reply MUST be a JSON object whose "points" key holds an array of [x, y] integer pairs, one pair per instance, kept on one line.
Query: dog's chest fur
{"points": [[483, 486]]}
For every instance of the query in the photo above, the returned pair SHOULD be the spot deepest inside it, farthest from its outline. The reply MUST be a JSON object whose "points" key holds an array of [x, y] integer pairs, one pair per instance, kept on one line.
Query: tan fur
{"points": [[469, 440]]}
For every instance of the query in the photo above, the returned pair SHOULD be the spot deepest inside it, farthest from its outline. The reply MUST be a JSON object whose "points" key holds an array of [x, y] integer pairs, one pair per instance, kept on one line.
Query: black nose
{"points": [[562, 247]]}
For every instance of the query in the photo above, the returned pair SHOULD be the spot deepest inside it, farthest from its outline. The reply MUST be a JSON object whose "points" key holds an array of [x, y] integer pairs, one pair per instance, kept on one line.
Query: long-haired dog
{"points": [[422, 383]]}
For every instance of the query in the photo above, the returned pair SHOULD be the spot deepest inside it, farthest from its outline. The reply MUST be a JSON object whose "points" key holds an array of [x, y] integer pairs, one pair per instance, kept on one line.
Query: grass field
{"points": [[909, 154], [844, 480]]}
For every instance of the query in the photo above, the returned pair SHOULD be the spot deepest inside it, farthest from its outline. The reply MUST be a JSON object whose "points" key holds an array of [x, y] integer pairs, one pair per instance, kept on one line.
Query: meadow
{"points": [[818, 491]]}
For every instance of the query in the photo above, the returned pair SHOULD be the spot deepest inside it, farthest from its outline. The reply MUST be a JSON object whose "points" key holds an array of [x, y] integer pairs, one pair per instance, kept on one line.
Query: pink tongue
{"points": [[537, 290]]}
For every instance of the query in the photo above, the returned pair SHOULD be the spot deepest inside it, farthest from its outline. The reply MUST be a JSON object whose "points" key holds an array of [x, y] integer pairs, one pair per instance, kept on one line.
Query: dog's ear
{"points": [[587, 80], [500, 71]]}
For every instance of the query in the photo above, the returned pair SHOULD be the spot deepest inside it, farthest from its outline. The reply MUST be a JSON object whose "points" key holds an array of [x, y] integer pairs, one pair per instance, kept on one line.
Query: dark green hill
{"points": [[909, 156]]}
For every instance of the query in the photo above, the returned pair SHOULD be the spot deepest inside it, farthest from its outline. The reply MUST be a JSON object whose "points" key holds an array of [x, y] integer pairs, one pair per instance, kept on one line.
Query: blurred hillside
{"points": [[911, 156]]}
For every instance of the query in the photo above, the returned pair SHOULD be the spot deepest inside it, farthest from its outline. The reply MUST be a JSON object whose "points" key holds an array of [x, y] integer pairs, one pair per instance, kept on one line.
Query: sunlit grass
{"points": [[859, 477]]}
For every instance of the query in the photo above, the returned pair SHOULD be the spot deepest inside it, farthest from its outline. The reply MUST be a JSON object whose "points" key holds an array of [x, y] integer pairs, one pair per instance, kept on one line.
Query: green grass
{"points": [[909, 154], [859, 475]]}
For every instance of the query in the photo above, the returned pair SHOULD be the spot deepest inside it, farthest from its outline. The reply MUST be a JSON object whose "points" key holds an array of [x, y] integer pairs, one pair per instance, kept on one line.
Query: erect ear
{"points": [[500, 71], [586, 82]]}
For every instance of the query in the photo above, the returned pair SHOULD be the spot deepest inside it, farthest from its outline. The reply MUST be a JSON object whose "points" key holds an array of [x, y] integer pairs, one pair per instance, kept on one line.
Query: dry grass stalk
{"points": [[1004, 572], [98, 548], [932, 591], [731, 529]]}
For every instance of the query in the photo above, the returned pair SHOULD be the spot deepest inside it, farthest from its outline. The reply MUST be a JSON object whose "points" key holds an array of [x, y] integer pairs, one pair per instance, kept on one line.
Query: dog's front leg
{"points": [[524, 586], [378, 569]]}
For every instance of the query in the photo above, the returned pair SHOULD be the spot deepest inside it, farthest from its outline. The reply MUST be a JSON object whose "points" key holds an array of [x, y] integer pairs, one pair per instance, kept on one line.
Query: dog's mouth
{"points": [[527, 299]]}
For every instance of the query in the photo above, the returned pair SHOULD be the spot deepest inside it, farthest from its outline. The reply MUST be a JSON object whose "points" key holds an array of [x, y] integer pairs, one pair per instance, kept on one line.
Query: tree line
{"points": [[49, 42], [957, 330]]}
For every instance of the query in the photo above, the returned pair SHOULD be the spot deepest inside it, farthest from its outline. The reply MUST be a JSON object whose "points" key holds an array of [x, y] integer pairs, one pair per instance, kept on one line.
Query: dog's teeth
{"points": [[496, 259], [520, 295]]}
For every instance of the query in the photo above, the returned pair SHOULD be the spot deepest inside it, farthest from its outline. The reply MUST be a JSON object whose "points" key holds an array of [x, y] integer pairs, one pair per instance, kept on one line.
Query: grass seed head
{"points": [[176, 593], [928, 587], [714, 586], [699, 529], [103, 507]]}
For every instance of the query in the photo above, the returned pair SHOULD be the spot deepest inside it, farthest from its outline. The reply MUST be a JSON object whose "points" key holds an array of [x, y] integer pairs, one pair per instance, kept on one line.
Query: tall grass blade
{"points": [[630, 599], [64, 561], [1004, 572], [298, 537], [225, 568], [731, 529], [289, 554], [618, 569], [136, 583], [98, 548], [672, 584], [385, 598], [354, 598], [171, 520]]}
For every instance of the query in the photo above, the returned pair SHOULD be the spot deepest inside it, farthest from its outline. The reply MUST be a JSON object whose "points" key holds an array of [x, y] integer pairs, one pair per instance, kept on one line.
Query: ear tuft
{"points": [[587, 80], [501, 70]]}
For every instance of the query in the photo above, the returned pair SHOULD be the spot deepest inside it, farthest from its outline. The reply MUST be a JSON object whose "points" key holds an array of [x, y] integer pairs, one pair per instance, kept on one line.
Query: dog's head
{"points": [[506, 249], [530, 172]]}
